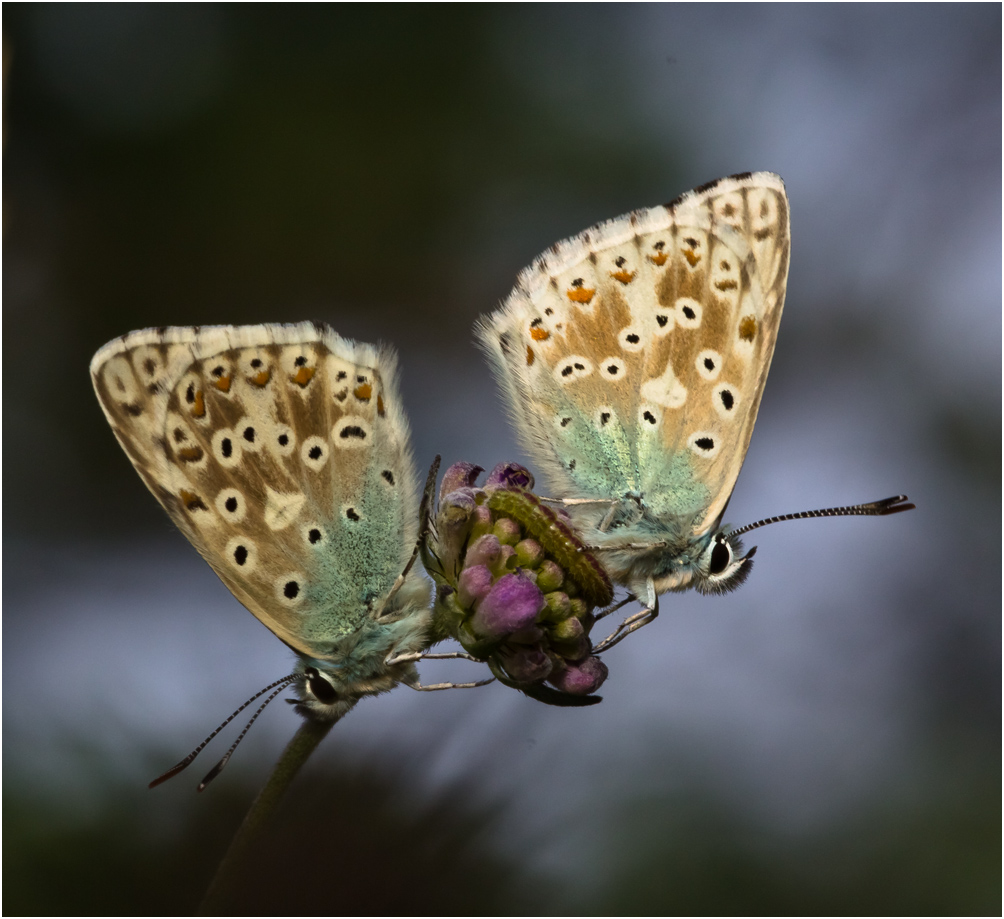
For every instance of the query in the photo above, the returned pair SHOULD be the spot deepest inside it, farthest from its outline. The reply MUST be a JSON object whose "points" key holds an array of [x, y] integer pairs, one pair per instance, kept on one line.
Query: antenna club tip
{"points": [[894, 505]]}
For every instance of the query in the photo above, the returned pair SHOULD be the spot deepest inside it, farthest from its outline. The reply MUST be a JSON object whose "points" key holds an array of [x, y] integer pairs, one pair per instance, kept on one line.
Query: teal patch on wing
{"points": [[596, 452], [675, 490]]}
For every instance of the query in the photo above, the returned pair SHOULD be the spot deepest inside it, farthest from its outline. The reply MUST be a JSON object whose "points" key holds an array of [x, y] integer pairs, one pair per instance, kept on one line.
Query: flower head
{"points": [[516, 587]]}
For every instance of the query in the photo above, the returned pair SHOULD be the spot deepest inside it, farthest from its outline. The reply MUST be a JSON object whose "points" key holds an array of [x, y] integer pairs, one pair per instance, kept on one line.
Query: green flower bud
{"points": [[579, 609], [507, 530], [550, 576], [558, 605], [505, 562], [529, 553], [569, 629], [481, 522]]}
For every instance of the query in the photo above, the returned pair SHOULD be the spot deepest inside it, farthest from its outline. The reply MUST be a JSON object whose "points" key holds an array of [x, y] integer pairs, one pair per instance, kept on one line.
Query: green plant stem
{"points": [[224, 883]]}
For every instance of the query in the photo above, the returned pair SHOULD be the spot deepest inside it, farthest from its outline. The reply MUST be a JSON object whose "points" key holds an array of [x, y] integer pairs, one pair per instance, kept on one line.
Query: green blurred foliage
{"points": [[346, 842], [357, 840], [922, 855]]}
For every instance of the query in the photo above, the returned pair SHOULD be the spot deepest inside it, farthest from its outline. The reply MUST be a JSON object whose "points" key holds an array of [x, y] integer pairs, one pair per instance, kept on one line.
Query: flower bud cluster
{"points": [[515, 586]]}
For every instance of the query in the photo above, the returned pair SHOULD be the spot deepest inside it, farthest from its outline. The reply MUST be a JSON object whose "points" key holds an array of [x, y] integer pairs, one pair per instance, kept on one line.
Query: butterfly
{"points": [[633, 358], [283, 454]]}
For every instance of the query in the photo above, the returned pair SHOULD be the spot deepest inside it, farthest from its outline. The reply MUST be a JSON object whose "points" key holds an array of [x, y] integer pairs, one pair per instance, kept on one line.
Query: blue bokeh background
{"points": [[827, 739]]}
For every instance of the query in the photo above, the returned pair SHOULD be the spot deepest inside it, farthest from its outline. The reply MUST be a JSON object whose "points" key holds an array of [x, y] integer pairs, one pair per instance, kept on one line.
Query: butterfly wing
{"points": [[282, 453], [633, 356]]}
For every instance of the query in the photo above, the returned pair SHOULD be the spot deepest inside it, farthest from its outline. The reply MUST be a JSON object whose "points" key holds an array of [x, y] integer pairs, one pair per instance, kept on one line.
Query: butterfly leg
{"points": [[433, 687], [422, 656], [630, 598], [633, 622]]}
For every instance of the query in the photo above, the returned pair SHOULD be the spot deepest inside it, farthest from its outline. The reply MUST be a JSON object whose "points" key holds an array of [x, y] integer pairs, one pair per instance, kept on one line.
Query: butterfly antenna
{"points": [[218, 768], [874, 509], [174, 770]]}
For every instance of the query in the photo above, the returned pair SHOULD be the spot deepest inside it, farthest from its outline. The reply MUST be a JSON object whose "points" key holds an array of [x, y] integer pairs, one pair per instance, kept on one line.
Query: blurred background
{"points": [[825, 740]]}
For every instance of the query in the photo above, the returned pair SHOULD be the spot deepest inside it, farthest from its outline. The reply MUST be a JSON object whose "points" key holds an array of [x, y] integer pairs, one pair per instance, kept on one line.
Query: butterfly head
{"points": [[323, 695], [722, 566], [361, 663]]}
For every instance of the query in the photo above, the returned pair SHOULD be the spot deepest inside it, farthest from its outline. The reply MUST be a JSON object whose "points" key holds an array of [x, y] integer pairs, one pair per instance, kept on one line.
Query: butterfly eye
{"points": [[322, 690], [721, 557]]}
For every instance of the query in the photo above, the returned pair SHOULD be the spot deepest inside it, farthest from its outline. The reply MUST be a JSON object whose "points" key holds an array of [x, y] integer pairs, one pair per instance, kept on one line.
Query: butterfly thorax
{"points": [[643, 549], [637, 544], [356, 664]]}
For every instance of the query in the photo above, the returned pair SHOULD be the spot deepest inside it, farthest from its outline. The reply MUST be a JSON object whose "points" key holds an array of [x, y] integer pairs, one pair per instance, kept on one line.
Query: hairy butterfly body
{"points": [[633, 358], [282, 452]]}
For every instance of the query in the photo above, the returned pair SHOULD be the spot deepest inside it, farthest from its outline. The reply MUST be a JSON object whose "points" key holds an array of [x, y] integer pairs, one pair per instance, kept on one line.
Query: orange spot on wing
{"points": [[223, 383], [192, 501], [538, 334], [625, 277], [580, 294], [529, 355], [302, 376], [260, 378], [363, 393], [747, 328], [380, 408], [691, 256], [726, 285], [199, 405], [190, 454], [659, 258]]}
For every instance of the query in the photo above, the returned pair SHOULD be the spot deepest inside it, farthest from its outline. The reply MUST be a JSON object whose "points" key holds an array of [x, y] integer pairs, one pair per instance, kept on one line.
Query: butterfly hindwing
{"points": [[634, 355], [282, 453]]}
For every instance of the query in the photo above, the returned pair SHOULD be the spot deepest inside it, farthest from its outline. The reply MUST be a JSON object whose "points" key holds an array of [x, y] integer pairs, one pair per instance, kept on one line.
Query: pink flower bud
{"points": [[512, 604], [459, 475], [483, 551], [509, 475], [473, 585], [582, 678]]}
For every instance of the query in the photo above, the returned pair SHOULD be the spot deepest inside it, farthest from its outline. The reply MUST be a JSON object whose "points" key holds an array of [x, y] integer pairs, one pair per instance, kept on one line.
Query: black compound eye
{"points": [[323, 691], [721, 556]]}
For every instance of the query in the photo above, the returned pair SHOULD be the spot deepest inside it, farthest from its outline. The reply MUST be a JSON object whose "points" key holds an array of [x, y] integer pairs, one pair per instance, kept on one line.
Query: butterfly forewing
{"points": [[282, 453], [634, 355]]}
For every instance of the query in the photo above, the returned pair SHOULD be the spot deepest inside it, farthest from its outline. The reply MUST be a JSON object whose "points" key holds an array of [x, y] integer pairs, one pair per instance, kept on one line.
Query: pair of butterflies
{"points": [[632, 357]]}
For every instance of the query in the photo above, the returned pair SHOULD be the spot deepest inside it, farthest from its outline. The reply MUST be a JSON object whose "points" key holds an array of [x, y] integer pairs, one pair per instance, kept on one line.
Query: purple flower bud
{"points": [[525, 665], [459, 475], [453, 525], [473, 585], [483, 551], [582, 678], [456, 506], [509, 475], [507, 530], [512, 604]]}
